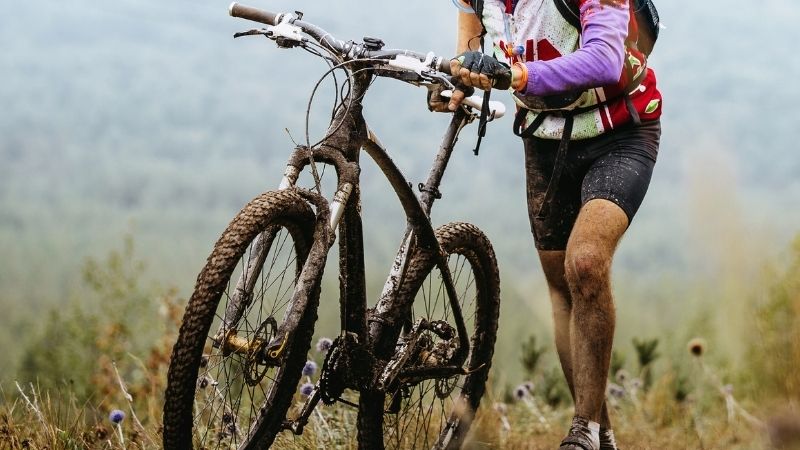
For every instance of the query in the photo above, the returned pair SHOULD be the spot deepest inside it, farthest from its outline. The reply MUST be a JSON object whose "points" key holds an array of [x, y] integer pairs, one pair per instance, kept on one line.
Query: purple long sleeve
{"points": [[599, 60]]}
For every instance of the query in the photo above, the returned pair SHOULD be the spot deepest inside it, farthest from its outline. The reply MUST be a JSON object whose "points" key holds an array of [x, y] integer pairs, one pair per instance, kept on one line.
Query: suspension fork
{"points": [[346, 131]]}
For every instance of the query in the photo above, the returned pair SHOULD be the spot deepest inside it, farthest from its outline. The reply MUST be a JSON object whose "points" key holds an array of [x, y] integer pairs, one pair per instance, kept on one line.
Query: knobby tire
{"points": [[284, 211], [469, 245]]}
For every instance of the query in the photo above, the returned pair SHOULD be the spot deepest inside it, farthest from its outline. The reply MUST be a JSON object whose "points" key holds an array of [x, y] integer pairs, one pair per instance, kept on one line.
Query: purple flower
{"points": [[520, 392], [307, 389], [310, 368], [324, 344], [616, 390], [116, 416]]}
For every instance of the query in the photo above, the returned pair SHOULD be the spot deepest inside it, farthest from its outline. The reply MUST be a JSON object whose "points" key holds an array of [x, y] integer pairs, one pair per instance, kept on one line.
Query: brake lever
{"points": [[253, 32], [435, 78]]}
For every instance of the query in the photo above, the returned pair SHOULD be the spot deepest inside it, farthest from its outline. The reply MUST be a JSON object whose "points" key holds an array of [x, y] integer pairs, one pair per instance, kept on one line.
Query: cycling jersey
{"points": [[562, 60]]}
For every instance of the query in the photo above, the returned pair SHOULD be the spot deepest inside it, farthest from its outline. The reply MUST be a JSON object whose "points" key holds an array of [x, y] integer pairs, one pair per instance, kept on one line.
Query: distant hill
{"points": [[147, 117]]}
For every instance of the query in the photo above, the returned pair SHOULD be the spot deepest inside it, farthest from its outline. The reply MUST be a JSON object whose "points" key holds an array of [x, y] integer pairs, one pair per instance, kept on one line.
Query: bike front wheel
{"points": [[437, 412], [223, 391]]}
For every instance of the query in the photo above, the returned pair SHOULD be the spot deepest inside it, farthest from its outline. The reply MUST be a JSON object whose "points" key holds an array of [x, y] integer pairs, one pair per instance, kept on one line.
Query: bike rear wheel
{"points": [[222, 390], [437, 413]]}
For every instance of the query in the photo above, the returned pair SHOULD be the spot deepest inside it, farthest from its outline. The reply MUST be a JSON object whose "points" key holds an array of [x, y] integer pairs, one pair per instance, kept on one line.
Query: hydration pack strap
{"points": [[558, 168], [568, 12], [482, 121], [519, 119]]}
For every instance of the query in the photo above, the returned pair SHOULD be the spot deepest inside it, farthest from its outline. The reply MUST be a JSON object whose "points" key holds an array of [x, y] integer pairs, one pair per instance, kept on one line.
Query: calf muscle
{"points": [[587, 269]]}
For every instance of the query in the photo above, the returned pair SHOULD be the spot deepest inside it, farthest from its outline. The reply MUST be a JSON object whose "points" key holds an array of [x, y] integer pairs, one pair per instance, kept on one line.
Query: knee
{"points": [[586, 269]]}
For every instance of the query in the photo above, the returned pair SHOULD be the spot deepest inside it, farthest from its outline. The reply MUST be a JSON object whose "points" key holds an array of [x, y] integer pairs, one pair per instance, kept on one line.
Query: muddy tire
{"points": [[218, 397], [438, 413]]}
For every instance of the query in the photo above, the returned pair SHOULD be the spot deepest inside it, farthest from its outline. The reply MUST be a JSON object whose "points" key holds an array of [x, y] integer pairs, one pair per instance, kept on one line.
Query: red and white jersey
{"points": [[538, 28]]}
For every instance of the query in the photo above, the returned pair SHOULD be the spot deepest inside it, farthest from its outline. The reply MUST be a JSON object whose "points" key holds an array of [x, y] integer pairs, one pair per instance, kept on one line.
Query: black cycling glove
{"points": [[477, 62]]}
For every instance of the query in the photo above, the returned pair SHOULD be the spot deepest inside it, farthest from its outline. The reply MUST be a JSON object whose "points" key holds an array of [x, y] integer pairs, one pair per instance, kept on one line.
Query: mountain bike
{"points": [[418, 359]]}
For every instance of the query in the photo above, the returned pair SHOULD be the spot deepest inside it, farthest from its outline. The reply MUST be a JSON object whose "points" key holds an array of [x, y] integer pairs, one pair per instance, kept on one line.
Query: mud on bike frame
{"points": [[372, 333]]}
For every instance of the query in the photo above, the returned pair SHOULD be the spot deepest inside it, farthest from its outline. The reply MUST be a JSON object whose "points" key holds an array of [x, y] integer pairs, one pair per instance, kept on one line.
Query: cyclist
{"points": [[583, 189]]}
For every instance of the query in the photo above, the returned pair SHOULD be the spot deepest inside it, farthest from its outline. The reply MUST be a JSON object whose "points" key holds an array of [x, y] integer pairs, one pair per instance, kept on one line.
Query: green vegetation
{"points": [[85, 366], [143, 118]]}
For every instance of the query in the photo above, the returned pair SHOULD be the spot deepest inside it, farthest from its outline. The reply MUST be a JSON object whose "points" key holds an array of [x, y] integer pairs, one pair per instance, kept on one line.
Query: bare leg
{"points": [[587, 269], [561, 299]]}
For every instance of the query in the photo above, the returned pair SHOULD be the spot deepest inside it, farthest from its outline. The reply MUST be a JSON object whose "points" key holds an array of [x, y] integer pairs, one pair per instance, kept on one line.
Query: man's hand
{"points": [[437, 103], [481, 71]]}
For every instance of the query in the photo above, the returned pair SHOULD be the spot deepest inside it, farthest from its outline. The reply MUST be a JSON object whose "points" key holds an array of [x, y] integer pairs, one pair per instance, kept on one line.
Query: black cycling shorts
{"points": [[615, 166]]}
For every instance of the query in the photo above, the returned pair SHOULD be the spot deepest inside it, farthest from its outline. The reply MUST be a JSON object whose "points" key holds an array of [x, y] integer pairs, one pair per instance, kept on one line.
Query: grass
{"points": [[709, 417], [695, 400]]}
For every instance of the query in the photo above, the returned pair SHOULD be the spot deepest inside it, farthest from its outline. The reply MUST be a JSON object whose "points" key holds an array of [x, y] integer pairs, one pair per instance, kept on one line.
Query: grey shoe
{"points": [[607, 441], [583, 435]]}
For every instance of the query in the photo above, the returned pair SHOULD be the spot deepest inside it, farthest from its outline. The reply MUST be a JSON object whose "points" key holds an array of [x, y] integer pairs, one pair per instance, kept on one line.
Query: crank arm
{"points": [[296, 426]]}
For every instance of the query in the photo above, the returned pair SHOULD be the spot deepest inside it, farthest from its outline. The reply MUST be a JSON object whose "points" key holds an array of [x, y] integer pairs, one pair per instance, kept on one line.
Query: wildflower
{"points": [[621, 376], [324, 344], [697, 346], [310, 368], [528, 386], [100, 432], [116, 416], [501, 408], [307, 389], [616, 390], [520, 392], [203, 383], [636, 383]]}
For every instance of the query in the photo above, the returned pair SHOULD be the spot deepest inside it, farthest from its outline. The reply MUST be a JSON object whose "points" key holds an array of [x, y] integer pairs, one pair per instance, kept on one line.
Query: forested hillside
{"points": [[146, 118]]}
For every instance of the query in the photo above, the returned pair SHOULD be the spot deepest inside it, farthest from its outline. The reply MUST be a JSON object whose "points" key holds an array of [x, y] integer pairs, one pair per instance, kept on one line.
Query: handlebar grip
{"points": [[444, 66], [250, 13]]}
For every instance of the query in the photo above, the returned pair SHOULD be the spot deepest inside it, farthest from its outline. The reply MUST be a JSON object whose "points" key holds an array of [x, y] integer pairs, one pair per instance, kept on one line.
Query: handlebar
{"points": [[291, 28], [348, 50], [253, 14]]}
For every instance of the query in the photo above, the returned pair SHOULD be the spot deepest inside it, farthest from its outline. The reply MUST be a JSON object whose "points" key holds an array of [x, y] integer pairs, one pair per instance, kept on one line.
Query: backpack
{"points": [[645, 13]]}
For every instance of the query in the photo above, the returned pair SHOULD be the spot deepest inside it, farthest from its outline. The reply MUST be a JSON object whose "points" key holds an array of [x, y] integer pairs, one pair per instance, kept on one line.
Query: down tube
{"points": [[419, 231]]}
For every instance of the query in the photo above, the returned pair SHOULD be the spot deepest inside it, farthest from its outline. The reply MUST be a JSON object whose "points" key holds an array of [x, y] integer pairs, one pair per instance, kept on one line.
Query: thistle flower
{"points": [[616, 390], [528, 386], [324, 344], [116, 416], [697, 347], [621, 376], [520, 392], [306, 389], [310, 368]]}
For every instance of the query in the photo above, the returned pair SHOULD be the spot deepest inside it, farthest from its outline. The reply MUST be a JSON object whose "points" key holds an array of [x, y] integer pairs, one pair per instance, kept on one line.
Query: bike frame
{"points": [[348, 134]]}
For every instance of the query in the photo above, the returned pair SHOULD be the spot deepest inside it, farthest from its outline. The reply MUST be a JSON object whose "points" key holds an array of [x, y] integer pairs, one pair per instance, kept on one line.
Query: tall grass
{"points": [[86, 365]]}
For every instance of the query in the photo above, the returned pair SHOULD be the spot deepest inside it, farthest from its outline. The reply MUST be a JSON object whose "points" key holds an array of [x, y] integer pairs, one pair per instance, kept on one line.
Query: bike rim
{"points": [[233, 384], [432, 410]]}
